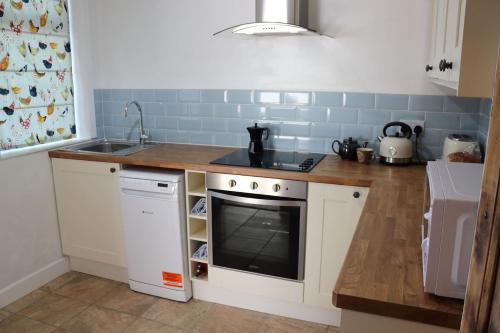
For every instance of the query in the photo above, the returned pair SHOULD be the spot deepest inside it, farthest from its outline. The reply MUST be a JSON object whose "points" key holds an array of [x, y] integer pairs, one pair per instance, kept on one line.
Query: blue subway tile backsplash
{"points": [[301, 121], [391, 102], [213, 96], [484, 120], [344, 116], [239, 96], [189, 95], [267, 97], [312, 114], [360, 100], [201, 110], [461, 104], [443, 120], [328, 99], [427, 103], [226, 111], [166, 95], [374, 117], [297, 98]]}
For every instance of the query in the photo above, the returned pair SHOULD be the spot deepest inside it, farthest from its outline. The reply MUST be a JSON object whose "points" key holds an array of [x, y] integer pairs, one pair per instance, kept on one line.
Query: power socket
{"points": [[413, 123]]}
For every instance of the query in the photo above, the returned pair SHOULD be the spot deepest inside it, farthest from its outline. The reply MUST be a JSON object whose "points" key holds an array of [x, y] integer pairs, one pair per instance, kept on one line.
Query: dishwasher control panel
{"points": [[147, 185]]}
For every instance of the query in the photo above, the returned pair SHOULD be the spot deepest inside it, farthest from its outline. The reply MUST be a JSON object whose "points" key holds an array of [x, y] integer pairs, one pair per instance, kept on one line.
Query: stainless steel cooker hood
{"points": [[276, 17]]}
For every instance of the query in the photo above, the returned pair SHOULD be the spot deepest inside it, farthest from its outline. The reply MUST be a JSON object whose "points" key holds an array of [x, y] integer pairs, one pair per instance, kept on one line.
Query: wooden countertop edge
{"points": [[396, 310], [163, 163]]}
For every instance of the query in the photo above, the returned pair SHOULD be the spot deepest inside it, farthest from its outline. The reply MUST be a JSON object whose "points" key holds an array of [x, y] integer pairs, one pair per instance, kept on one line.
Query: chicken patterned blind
{"points": [[36, 84]]}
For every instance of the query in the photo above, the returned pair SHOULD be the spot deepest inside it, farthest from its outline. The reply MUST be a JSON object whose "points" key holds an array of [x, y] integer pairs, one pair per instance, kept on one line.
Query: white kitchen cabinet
{"points": [[89, 211], [333, 214], [464, 46]]}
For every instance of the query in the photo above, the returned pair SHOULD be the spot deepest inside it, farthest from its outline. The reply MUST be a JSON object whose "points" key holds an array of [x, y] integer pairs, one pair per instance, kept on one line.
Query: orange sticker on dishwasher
{"points": [[172, 279]]}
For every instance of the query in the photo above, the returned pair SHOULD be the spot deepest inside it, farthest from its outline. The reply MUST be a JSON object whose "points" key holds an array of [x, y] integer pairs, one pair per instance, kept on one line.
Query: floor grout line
{"points": [[37, 321]]}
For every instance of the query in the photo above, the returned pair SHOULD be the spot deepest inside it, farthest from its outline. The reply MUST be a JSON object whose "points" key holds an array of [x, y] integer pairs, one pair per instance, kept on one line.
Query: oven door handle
{"points": [[254, 201]]}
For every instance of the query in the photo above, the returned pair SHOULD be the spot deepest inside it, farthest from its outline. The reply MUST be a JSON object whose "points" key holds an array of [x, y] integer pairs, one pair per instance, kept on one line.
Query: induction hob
{"points": [[272, 159]]}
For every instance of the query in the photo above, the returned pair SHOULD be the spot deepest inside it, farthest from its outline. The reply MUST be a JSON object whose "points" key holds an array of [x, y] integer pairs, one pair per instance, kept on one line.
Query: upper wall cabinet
{"points": [[464, 46]]}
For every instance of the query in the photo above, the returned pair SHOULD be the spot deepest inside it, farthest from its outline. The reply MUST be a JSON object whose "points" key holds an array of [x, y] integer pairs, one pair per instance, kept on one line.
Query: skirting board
{"points": [[106, 271], [33, 281], [202, 290], [354, 322]]}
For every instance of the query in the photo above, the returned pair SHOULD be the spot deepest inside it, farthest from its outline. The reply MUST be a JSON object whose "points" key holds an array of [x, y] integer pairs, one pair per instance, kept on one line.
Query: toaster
{"points": [[459, 143]]}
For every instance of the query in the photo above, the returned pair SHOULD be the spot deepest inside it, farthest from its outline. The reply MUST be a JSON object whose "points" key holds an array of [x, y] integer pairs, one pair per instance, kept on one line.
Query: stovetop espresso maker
{"points": [[256, 145]]}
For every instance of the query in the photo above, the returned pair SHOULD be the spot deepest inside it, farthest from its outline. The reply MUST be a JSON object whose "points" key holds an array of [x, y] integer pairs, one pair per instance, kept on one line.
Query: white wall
{"points": [[29, 234], [83, 59], [379, 46]]}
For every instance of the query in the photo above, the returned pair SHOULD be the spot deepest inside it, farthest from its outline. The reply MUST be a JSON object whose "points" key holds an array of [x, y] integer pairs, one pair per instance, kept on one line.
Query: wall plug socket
{"points": [[414, 123]]}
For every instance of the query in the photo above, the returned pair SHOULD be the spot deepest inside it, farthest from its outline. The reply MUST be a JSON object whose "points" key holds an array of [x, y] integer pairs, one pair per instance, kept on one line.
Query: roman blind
{"points": [[36, 84]]}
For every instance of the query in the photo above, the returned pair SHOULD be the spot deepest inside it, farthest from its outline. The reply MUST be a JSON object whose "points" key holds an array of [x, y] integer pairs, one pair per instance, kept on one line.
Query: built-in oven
{"points": [[257, 225]]}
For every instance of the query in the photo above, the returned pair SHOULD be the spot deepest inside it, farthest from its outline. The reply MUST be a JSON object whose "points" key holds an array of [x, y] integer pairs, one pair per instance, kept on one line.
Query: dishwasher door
{"points": [[155, 241]]}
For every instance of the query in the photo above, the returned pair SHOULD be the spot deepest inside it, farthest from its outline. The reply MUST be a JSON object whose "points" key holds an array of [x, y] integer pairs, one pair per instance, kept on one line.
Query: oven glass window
{"points": [[256, 238]]}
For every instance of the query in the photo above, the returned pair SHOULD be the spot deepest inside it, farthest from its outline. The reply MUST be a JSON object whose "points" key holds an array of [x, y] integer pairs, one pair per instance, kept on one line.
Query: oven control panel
{"points": [[257, 185]]}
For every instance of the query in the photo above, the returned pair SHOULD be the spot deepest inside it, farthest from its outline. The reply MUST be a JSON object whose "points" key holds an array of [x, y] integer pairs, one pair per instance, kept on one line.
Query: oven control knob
{"points": [[276, 187], [232, 183], [254, 185]]}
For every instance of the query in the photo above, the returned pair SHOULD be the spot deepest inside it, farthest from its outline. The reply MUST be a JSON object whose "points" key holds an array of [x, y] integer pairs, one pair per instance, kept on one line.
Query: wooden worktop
{"points": [[382, 273]]}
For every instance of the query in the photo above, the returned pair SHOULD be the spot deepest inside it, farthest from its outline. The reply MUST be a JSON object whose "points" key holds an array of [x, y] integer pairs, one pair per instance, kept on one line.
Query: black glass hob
{"points": [[272, 159]]}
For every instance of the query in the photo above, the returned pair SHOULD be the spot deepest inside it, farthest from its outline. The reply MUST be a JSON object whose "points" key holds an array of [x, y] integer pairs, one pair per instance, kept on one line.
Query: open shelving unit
{"points": [[196, 224]]}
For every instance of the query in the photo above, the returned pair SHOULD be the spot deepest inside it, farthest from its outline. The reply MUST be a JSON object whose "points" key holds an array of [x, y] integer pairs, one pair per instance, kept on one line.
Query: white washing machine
{"points": [[153, 210]]}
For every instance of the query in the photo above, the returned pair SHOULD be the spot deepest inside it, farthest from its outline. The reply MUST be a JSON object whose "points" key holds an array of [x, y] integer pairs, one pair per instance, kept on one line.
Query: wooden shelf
{"points": [[196, 224], [199, 217], [202, 278], [198, 192], [199, 260], [199, 235]]}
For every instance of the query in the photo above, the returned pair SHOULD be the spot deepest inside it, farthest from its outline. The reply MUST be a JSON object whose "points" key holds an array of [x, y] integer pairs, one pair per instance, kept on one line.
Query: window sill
{"points": [[6, 154]]}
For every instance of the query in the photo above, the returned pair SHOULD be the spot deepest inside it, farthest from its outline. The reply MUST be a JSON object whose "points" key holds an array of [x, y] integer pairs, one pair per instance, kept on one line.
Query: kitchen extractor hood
{"points": [[276, 18]]}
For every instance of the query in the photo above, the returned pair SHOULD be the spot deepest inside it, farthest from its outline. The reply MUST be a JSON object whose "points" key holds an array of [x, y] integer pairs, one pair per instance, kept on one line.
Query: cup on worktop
{"points": [[365, 155]]}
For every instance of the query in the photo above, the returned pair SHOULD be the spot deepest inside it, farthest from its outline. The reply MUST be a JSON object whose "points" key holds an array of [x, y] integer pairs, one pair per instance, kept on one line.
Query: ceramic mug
{"points": [[365, 155]]}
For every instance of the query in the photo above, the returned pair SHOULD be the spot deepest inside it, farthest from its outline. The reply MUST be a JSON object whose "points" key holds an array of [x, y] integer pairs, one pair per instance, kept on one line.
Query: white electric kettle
{"points": [[396, 149]]}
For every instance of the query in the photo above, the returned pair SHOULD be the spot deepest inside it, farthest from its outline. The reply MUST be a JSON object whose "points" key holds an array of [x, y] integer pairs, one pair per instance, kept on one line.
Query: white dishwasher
{"points": [[153, 210]]}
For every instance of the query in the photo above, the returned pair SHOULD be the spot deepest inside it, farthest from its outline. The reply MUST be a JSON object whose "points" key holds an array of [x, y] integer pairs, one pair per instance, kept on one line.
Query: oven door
{"points": [[257, 234]]}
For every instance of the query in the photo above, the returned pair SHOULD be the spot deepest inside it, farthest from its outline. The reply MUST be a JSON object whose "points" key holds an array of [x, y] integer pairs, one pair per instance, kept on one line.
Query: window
{"points": [[36, 83]]}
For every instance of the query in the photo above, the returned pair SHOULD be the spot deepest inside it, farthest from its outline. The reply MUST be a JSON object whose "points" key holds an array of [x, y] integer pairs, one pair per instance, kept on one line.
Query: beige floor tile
{"points": [[53, 309], [4, 315], [277, 324], [125, 300], [226, 319], [333, 329], [86, 288], [20, 324], [183, 315], [62, 280], [149, 326], [25, 301], [96, 320]]}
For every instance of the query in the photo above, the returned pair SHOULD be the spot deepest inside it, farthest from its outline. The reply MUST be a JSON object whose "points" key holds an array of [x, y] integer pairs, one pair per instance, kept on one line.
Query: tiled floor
{"points": [[80, 303]]}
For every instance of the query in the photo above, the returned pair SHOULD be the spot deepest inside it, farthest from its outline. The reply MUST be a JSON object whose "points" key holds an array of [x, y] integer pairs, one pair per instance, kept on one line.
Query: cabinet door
{"points": [[455, 29], [333, 214], [442, 39], [437, 35], [447, 35], [89, 211]]}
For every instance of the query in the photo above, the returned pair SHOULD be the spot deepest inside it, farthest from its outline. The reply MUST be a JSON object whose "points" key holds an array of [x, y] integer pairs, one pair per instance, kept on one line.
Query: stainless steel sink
{"points": [[110, 147]]}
